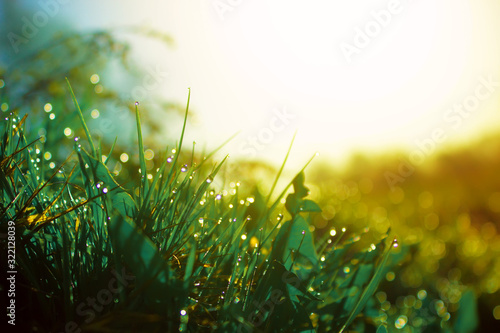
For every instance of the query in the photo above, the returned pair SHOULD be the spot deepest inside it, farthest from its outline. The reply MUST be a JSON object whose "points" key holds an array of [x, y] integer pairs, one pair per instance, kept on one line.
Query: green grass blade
{"points": [[142, 159], [280, 170], [84, 124], [369, 290], [111, 151]]}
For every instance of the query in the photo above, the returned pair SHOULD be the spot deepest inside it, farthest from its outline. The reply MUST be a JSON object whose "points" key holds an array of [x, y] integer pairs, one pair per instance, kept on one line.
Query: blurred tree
{"points": [[40, 49]]}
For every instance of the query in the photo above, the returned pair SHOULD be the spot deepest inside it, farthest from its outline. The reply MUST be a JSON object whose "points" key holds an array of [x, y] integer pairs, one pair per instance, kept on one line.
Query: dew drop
{"points": [[184, 168], [395, 243], [136, 103]]}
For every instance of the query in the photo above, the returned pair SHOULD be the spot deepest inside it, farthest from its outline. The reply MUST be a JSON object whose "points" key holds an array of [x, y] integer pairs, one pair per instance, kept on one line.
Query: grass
{"points": [[170, 251]]}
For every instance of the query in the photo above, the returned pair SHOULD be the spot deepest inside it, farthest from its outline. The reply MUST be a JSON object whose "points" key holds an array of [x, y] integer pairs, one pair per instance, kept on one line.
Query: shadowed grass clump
{"points": [[169, 251]]}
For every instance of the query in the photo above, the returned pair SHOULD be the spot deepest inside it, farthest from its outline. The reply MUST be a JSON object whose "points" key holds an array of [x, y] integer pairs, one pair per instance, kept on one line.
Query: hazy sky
{"points": [[346, 75]]}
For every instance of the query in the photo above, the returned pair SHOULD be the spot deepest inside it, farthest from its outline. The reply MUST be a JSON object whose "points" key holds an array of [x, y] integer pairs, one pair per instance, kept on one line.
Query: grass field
{"points": [[99, 236], [168, 251]]}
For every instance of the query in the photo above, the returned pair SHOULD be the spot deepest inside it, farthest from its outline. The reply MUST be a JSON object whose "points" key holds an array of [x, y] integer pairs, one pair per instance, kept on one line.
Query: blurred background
{"points": [[400, 99]]}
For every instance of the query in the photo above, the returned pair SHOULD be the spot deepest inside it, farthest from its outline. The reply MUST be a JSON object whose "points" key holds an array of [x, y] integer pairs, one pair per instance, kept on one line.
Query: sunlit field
{"points": [[232, 166]]}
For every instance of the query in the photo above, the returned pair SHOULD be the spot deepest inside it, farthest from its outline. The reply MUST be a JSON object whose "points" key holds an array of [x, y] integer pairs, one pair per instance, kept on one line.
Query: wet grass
{"points": [[175, 249]]}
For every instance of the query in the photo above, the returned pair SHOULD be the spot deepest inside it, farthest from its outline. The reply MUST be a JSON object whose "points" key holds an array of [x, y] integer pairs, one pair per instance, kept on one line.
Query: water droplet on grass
{"points": [[395, 243]]}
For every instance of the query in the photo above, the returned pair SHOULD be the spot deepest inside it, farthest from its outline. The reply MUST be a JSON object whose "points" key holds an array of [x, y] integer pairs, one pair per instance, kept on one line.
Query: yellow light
{"points": [[496, 312], [401, 322], [124, 157], [95, 114], [254, 242], [149, 154], [94, 79], [67, 131], [47, 107]]}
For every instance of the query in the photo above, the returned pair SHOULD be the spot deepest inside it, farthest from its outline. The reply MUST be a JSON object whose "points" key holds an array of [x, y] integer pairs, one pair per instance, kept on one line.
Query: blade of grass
{"points": [[178, 152], [84, 124], [142, 159], [280, 170], [111, 151], [369, 290]]}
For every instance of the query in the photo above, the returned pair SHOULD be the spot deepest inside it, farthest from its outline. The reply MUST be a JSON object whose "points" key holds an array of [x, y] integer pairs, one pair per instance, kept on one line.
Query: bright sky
{"points": [[346, 75]]}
